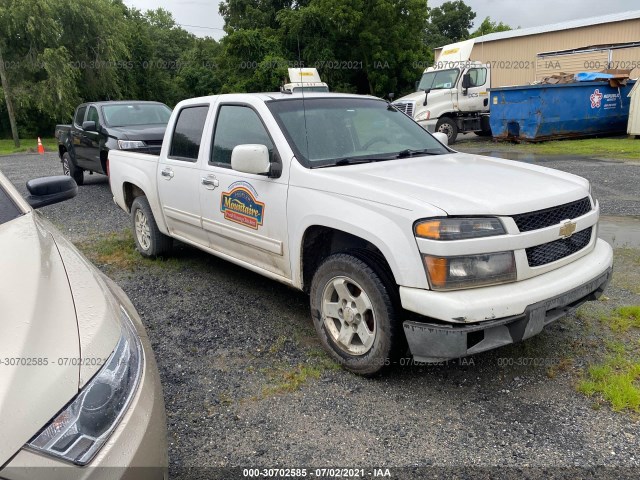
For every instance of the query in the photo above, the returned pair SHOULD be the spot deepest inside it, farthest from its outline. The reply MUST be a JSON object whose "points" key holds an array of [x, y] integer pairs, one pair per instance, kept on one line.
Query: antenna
{"points": [[304, 110]]}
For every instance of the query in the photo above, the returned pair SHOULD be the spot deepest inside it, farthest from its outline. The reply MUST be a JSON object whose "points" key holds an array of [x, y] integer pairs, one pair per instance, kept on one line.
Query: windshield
{"points": [[439, 79], [330, 131], [125, 115], [8, 209]]}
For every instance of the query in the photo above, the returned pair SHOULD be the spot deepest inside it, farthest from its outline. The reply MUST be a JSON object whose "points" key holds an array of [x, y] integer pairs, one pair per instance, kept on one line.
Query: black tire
{"points": [[150, 241], [449, 127], [366, 284], [71, 170]]}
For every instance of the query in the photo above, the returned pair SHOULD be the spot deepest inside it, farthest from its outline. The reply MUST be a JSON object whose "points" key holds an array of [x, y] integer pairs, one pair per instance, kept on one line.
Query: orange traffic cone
{"points": [[40, 146]]}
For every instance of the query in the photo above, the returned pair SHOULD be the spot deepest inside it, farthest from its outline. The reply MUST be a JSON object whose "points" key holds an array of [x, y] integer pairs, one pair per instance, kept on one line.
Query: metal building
{"points": [[525, 55]]}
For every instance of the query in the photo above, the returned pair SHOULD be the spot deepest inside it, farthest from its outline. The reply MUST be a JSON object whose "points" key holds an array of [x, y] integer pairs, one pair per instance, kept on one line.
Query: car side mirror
{"points": [[89, 126], [441, 137], [251, 158], [466, 82], [49, 190]]}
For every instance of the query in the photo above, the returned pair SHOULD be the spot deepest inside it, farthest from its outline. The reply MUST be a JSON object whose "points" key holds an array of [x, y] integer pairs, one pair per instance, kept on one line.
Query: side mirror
{"points": [[251, 158], [441, 137], [391, 96], [466, 82], [49, 190], [89, 126]]}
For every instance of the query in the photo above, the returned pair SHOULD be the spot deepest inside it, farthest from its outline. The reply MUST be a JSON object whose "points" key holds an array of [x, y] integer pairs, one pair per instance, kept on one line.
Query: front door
{"points": [[88, 150], [244, 214], [477, 98], [178, 177]]}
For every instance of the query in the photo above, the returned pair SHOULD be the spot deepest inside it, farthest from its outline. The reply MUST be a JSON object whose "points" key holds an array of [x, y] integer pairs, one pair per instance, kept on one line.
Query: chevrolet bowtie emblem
{"points": [[567, 228]]}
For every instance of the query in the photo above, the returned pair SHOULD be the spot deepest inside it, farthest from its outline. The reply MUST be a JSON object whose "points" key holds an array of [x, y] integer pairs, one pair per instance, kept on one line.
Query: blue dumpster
{"points": [[568, 110]]}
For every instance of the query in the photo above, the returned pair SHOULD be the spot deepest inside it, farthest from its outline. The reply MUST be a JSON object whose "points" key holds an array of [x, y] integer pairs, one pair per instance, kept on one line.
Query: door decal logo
{"points": [[240, 205]]}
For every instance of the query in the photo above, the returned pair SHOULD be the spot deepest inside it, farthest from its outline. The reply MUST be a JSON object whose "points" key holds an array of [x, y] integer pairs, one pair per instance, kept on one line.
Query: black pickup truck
{"points": [[102, 126]]}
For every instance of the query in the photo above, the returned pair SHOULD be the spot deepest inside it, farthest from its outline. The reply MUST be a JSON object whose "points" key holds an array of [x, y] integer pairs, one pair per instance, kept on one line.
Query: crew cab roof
{"points": [[275, 96], [121, 102]]}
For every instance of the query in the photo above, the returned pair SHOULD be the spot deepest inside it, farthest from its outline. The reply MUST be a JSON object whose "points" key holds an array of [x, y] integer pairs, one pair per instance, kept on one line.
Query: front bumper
{"points": [[137, 449], [474, 333]]}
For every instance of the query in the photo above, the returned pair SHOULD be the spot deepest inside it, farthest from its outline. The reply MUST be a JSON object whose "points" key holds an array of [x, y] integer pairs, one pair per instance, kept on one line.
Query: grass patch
{"points": [[623, 318], [626, 273], [287, 380], [619, 148], [27, 145], [616, 380], [117, 251]]}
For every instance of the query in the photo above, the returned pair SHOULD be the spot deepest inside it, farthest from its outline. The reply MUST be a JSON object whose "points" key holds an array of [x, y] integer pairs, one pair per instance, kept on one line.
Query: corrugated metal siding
{"points": [[513, 61], [627, 59], [571, 63]]}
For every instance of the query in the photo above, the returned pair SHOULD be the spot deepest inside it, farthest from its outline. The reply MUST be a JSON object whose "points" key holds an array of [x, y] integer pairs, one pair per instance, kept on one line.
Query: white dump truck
{"points": [[452, 96], [398, 240]]}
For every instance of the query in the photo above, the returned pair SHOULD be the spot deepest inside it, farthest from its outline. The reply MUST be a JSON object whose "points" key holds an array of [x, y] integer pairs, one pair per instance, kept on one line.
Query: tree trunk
{"points": [[7, 97]]}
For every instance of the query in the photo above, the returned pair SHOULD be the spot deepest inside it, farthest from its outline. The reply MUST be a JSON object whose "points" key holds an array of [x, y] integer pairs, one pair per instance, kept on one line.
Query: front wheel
{"points": [[354, 314], [150, 241], [449, 127]]}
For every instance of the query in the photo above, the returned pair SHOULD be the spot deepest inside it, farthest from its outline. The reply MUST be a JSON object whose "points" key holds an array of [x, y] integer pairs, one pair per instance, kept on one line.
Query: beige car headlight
{"points": [[469, 271], [78, 432]]}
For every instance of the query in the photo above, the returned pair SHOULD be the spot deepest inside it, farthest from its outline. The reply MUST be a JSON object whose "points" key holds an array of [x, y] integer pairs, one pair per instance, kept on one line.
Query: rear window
{"points": [[8, 209], [187, 134]]}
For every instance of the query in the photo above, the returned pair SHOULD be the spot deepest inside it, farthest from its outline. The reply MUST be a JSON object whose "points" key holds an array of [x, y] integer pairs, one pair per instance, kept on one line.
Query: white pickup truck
{"points": [[399, 240]]}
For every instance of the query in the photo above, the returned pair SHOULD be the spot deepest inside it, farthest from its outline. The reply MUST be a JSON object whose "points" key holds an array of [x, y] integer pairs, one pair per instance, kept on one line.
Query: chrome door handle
{"points": [[210, 182], [167, 173]]}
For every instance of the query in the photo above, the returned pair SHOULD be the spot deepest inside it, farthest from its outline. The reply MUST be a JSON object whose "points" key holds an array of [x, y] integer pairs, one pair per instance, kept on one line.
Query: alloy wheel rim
{"points": [[143, 233], [348, 315]]}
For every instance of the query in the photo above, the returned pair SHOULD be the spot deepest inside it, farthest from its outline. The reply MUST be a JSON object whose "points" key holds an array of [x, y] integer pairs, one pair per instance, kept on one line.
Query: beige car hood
{"points": [[38, 332], [54, 307]]}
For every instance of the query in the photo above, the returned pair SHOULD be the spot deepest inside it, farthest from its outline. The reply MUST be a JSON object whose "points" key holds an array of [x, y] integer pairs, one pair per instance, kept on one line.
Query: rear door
{"points": [[245, 215], [178, 175]]}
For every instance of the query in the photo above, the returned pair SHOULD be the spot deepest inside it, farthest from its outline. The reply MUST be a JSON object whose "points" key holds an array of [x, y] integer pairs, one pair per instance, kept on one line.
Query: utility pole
{"points": [[7, 97]]}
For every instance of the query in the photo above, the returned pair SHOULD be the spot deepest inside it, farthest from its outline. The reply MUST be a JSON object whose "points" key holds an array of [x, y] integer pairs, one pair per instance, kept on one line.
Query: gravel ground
{"points": [[246, 383]]}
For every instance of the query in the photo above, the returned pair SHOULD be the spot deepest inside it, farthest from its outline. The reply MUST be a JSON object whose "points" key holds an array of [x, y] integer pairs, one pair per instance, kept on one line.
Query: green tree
{"points": [[449, 23], [487, 26]]}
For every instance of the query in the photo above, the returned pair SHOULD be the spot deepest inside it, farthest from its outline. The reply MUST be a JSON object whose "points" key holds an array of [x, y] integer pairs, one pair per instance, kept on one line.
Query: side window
{"points": [[478, 76], [79, 118], [92, 116], [187, 133], [237, 125]]}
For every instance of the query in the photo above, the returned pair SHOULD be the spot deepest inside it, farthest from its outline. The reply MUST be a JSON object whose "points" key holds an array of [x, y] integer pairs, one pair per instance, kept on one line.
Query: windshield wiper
{"points": [[410, 153], [356, 160]]}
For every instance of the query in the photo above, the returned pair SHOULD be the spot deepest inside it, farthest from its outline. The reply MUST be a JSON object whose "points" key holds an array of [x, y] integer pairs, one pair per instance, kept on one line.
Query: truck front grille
{"points": [[552, 251], [552, 216], [406, 108]]}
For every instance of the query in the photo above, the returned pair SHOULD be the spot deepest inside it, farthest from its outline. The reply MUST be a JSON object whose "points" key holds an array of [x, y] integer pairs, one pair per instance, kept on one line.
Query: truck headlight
{"points": [[423, 115], [130, 144], [453, 273], [78, 432], [458, 228]]}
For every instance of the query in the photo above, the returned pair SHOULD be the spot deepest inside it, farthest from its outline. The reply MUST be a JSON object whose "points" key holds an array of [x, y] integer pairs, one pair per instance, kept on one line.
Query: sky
{"points": [[201, 17]]}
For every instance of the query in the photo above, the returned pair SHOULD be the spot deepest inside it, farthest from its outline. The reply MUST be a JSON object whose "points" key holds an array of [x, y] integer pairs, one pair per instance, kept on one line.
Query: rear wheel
{"points": [[71, 170], [354, 314], [449, 127], [150, 241]]}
